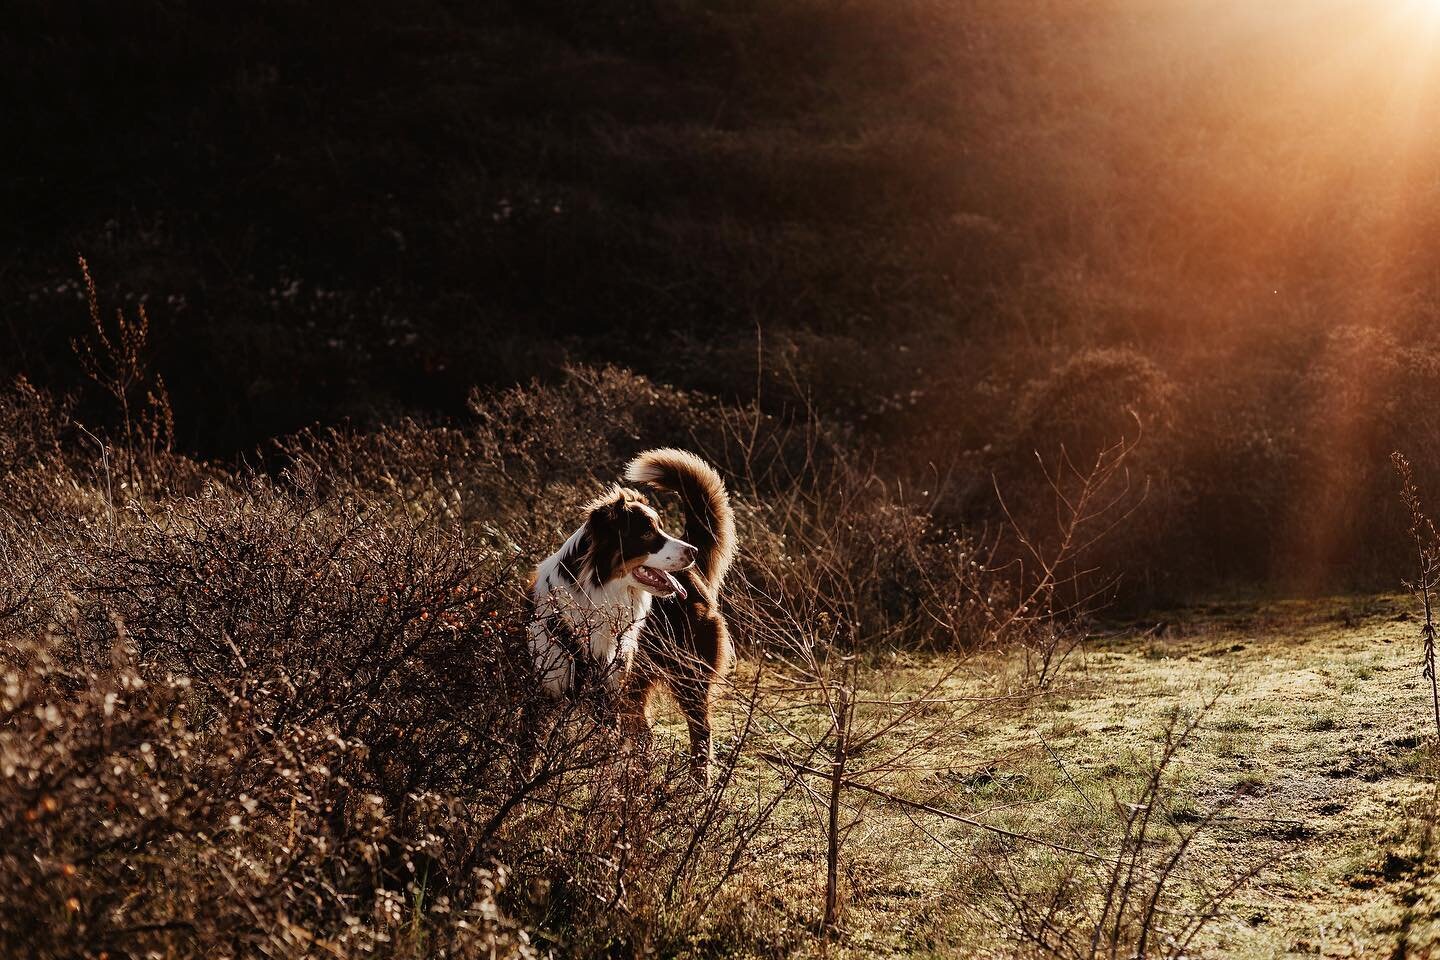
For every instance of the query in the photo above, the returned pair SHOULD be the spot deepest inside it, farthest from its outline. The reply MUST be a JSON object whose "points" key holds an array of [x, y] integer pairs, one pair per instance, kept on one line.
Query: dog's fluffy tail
{"points": [[709, 521]]}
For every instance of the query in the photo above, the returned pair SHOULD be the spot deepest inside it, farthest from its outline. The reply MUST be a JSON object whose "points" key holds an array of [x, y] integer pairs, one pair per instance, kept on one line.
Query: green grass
{"points": [[1324, 799]]}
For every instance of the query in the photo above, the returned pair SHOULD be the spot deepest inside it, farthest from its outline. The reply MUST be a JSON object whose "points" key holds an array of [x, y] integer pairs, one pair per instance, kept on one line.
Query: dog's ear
{"points": [[607, 509], [602, 535]]}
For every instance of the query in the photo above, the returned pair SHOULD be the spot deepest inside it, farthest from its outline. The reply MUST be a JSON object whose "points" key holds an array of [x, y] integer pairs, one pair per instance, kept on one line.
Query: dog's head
{"points": [[627, 543]]}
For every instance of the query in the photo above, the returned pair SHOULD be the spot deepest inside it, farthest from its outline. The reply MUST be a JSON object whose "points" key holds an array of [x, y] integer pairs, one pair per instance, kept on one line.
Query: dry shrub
{"points": [[143, 818], [832, 545], [245, 722], [293, 712], [525, 460], [1089, 402], [35, 433], [30, 426], [1426, 543], [1148, 892], [251, 714], [819, 525], [1066, 425]]}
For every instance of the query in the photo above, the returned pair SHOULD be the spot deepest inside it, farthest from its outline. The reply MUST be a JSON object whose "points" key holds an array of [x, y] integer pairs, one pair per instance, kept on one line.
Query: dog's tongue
{"points": [[674, 585], [657, 577]]}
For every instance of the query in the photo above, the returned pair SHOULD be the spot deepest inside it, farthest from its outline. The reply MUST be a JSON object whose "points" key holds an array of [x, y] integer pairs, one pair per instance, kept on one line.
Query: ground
{"points": [[1310, 768]]}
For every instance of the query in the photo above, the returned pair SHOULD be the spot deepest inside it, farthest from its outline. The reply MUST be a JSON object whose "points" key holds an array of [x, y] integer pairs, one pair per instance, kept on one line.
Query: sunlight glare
{"points": [[1426, 9]]}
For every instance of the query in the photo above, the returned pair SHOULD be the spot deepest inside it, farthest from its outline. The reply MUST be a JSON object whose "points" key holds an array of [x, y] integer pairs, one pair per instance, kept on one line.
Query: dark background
{"points": [[967, 231]]}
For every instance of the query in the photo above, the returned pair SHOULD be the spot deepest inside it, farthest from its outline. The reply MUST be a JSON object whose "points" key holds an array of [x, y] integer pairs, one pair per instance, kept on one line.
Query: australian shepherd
{"points": [[626, 607]]}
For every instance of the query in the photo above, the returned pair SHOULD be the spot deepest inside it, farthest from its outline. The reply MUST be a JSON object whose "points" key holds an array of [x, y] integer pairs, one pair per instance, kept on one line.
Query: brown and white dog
{"points": [[596, 616]]}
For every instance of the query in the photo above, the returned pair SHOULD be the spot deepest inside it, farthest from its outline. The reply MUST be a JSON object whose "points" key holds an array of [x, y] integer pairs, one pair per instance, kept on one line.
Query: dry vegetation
{"points": [[279, 713]]}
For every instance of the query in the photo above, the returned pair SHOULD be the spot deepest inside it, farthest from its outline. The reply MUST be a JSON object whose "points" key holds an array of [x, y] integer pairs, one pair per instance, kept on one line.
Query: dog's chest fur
{"points": [[571, 610]]}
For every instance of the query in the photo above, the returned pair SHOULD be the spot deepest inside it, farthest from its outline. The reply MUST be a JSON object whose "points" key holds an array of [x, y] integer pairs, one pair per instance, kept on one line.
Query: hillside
{"points": [[971, 229]]}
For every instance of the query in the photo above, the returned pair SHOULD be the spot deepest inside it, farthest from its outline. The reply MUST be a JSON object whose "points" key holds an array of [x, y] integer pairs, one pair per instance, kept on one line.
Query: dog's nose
{"points": [[690, 553]]}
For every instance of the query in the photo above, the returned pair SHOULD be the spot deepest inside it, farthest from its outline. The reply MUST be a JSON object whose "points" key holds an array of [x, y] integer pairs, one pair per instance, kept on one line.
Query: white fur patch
{"points": [[644, 471], [606, 620]]}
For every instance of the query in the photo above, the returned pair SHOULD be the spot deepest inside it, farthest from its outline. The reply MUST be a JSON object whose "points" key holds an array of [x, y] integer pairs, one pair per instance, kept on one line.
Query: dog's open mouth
{"points": [[660, 581]]}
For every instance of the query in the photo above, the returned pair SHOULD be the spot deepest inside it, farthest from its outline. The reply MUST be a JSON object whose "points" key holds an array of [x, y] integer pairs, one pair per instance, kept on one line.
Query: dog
{"points": [[596, 622]]}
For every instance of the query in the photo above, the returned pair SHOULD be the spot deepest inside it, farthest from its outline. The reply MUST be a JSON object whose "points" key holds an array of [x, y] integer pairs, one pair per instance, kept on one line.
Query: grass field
{"points": [[1308, 765]]}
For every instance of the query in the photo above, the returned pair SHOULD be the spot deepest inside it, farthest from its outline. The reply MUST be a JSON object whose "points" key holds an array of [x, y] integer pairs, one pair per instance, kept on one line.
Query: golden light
{"points": [[1423, 17], [1371, 83]]}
